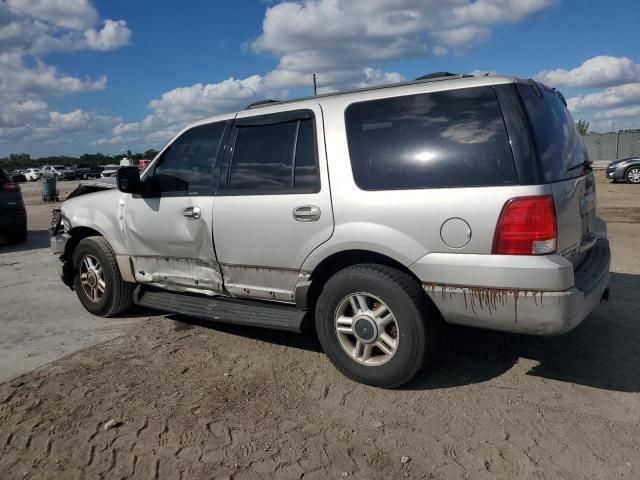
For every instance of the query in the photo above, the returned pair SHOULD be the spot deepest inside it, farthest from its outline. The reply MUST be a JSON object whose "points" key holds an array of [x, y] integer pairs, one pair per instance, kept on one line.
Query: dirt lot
{"points": [[206, 401]]}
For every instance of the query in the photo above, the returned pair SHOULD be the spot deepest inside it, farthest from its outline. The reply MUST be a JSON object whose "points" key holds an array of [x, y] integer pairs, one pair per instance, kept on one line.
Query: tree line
{"points": [[24, 160]]}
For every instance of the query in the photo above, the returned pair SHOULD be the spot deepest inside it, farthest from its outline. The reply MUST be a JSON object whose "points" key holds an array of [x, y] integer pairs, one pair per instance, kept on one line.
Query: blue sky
{"points": [[115, 75]]}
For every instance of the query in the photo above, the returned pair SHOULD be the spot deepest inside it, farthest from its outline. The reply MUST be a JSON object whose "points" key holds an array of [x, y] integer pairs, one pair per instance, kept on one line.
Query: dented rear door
{"points": [[274, 206]]}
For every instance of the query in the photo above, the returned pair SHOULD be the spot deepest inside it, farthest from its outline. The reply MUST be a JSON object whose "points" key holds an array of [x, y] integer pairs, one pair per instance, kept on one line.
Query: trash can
{"points": [[49, 191]]}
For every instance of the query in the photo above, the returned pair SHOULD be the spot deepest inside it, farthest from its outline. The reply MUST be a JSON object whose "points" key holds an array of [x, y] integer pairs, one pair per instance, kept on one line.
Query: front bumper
{"points": [[535, 312]]}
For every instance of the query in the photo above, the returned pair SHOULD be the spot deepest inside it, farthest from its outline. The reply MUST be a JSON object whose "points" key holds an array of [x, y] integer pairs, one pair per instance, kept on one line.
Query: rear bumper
{"points": [[13, 219], [530, 311]]}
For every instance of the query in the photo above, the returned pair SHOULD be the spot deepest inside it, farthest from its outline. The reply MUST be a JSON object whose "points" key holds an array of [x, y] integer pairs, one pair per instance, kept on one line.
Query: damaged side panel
{"points": [[261, 282], [183, 274], [521, 311]]}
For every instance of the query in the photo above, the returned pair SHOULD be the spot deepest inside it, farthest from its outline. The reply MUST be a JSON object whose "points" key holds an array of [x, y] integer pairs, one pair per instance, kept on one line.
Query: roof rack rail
{"points": [[435, 75], [260, 103]]}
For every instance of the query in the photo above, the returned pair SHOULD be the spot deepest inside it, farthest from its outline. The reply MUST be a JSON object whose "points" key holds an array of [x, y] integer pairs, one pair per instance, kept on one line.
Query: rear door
{"points": [[565, 167], [273, 207]]}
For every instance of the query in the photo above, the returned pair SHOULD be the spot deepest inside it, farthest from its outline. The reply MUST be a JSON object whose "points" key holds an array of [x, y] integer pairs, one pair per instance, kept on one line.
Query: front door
{"points": [[273, 207], [167, 230]]}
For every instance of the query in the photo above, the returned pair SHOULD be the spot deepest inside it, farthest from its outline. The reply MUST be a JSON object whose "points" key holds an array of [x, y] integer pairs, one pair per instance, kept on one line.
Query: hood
{"points": [[620, 160], [93, 186]]}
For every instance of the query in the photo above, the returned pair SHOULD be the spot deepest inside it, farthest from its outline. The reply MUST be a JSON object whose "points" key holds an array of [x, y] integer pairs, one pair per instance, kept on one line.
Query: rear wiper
{"points": [[586, 165]]}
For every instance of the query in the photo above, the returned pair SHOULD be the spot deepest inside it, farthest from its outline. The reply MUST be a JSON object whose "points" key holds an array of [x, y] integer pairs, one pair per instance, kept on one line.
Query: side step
{"points": [[253, 313]]}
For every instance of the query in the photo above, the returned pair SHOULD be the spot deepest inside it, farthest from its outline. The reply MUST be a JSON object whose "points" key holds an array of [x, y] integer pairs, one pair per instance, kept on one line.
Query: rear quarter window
{"points": [[559, 145], [455, 138]]}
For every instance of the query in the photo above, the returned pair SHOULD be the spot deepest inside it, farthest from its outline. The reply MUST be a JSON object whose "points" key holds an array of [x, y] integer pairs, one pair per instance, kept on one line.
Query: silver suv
{"points": [[377, 213]]}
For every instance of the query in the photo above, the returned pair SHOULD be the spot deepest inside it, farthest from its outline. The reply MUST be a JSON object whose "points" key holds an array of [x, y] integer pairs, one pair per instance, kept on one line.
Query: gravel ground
{"points": [[194, 400]]}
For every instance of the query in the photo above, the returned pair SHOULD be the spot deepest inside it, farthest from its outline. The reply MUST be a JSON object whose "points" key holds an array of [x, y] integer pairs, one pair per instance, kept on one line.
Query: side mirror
{"points": [[128, 180]]}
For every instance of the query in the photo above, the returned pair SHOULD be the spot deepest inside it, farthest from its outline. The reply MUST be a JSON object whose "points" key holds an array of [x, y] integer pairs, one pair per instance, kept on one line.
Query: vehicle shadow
{"points": [[305, 341], [602, 352], [35, 239]]}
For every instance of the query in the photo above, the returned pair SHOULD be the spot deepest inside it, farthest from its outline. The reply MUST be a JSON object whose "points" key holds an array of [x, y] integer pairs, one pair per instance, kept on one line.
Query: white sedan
{"points": [[32, 174]]}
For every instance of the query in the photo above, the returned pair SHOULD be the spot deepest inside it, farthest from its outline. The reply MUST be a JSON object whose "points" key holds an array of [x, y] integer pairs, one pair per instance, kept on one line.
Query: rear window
{"points": [[455, 138], [559, 144], [4, 178]]}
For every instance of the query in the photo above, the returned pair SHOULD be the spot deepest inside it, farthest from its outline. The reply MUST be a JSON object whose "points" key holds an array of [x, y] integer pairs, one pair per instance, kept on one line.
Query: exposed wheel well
{"points": [[340, 260], [77, 234]]}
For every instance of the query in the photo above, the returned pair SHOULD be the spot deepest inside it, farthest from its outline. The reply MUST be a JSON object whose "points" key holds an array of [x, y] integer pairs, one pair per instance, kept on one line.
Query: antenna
{"points": [[315, 84]]}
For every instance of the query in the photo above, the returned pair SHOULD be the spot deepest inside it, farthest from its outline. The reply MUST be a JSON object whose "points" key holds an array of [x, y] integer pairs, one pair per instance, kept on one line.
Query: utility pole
{"points": [[315, 84]]}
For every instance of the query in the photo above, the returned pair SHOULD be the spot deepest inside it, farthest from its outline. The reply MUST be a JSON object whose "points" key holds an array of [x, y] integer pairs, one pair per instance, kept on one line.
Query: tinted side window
{"points": [[278, 157], [455, 138], [188, 164], [558, 142]]}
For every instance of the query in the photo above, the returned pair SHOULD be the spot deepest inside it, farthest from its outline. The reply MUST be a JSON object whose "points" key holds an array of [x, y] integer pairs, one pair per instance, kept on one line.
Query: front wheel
{"points": [[633, 175], [375, 324], [97, 281]]}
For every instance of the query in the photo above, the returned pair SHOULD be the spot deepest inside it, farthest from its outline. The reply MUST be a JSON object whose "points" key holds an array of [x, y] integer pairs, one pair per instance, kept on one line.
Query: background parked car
{"points": [[86, 170], [61, 172], [624, 169], [32, 174], [18, 176], [13, 216], [110, 170]]}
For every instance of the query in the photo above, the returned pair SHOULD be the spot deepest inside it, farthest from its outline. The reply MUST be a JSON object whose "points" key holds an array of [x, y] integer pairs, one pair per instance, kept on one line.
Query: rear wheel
{"points": [[633, 175], [375, 324], [97, 281]]}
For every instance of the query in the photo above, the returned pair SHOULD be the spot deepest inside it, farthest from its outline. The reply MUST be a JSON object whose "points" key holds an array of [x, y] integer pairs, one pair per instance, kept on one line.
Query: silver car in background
{"points": [[375, 214], [624, 170]]}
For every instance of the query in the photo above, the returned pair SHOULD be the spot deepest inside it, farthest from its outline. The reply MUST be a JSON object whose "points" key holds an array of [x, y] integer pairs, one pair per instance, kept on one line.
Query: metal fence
{"points": [[609, 146]]}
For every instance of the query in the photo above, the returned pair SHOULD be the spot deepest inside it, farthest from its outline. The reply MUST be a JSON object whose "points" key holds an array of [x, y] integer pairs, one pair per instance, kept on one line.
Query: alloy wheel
{"points": [[366, 329], [92, 278]]}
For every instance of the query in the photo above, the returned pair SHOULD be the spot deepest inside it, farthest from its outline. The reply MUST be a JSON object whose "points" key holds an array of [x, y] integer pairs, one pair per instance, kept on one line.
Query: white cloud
{"points": [[618, 113], [30, 121], [332, 36], [114, 34], [180, 106], [29, 29], [19, 81], [73, 14], [375, 76], [609, 97], [600, 71]]}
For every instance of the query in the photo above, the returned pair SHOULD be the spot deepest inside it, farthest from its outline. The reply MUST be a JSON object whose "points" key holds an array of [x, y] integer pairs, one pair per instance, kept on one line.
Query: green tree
{"points": [[150, 154], [19, 157], [582, 126]]}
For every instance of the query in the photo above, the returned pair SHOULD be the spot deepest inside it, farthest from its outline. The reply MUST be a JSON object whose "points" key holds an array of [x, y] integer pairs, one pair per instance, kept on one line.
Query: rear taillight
{"points": [[10, 187], [527, 226]]}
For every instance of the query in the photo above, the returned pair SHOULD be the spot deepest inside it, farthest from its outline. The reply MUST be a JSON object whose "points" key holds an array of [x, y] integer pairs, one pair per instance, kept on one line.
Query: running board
{"points": [[252, 313]]}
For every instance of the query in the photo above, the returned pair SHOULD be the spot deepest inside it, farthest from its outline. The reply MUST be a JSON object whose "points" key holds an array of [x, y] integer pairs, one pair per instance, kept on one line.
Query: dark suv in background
{"points": [[13, 215]]}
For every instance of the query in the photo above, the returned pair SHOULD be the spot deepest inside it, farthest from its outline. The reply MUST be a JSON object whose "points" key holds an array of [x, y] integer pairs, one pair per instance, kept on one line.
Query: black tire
{"points": [[118, 294], [417, 322], [17, 236], [633, 170]]}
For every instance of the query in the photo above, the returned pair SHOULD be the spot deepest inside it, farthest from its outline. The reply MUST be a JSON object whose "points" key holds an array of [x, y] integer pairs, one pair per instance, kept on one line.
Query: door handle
{"points": [[192, 213], [306, 213]]}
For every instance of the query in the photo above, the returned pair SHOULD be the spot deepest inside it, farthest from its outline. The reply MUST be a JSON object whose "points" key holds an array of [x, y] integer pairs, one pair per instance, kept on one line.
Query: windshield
{"points": [[60, 167], [559, 144]]}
